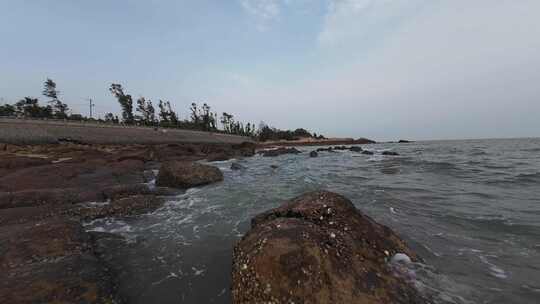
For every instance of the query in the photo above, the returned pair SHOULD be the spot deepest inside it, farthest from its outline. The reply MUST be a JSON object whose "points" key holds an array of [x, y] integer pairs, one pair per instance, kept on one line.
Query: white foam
{"points": [[198, 272], [495, 270]]}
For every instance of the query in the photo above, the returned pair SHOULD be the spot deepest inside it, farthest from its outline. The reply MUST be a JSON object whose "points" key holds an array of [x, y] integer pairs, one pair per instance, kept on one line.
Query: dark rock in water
{"points": [[318, 248], [52, 261], [133, 205], [341, 148], [390, 153], [361, 141], [313, 154], [329, 149], [119, 191], [403, 141], [218, 157], [366, 152], [356, 149], [245, 149], [279, 151], [274, 166], [183, 175], [237, 166]]}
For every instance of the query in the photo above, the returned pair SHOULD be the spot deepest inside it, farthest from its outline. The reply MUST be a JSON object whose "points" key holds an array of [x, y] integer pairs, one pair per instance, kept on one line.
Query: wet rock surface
{"points": [[51, 261], [313, 154], [237, 166], [46, 191], [279, 151], [183, 175], [123, 207], [318, 248]]}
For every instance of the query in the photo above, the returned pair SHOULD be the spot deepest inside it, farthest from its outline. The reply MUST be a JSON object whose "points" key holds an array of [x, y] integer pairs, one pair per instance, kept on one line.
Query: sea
{"points": [[469, 208]]}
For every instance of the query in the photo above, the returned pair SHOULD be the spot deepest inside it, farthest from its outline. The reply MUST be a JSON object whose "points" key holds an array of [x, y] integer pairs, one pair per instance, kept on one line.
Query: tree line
{"points": [[143, 112], [30, 107]]}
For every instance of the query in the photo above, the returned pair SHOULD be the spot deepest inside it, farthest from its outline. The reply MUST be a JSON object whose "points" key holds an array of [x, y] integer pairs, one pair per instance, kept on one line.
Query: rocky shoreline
{"points": [[316, 142], [302, 250], [46, 193]]}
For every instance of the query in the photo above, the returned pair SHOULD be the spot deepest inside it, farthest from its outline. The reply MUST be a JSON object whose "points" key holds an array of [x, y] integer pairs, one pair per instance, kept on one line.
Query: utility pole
{"points": [[91, 105]]}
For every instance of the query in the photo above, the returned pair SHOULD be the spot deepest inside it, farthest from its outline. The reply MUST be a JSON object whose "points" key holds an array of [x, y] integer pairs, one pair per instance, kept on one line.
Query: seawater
{"points": [[470, 209]]}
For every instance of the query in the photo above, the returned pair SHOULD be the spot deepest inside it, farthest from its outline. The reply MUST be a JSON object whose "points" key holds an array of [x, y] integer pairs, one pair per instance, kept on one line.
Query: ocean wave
{"points": [[518, 180]]}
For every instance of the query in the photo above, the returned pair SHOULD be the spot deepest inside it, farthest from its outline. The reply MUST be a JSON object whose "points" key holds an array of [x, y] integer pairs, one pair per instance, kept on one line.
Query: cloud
{"points": [[450, 69], [264, 11], [348, 20]]}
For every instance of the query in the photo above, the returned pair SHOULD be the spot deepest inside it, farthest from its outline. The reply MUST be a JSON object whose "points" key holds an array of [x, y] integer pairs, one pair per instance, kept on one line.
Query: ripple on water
{"points": [[480, 240]]}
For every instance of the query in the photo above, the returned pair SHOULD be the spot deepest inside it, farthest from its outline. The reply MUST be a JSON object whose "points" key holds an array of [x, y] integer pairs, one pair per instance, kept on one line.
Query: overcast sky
{"points": [[383, 69]]}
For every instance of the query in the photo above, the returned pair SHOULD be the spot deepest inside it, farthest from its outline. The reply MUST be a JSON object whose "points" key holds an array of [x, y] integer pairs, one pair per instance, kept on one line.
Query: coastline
{"points": [[48, 191], [316, 142]]}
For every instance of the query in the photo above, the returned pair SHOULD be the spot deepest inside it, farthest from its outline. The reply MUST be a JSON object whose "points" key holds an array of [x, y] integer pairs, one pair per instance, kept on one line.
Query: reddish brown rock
{"points": [[279, 151], [128, 206], [318, 248], [51, 261], [183, 175], [12, 162]]}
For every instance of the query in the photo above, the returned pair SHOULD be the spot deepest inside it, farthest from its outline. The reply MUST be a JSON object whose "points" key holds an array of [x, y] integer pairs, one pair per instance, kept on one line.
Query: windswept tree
{"points": [[59, 108], [7, 110], [203, 118], [125, 101], [227, 120], [208, 120], [109, 117], [195, 118], [147, 111], [166, 114], [29, 107]]}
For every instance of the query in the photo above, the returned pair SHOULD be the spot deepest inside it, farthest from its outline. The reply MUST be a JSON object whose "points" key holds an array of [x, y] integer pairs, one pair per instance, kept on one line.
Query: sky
{"points": [[382, 69]]}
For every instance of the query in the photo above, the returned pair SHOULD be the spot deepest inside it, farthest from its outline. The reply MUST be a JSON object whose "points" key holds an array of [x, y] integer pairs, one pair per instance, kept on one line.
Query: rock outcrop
{"points": [[318, 248], [51, 261], [279, 151], [237, 166], [183, 175], [46, 192]]}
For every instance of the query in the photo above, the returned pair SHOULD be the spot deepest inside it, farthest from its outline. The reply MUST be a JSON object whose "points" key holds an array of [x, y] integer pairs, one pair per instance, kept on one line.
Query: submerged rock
{"points": [[329, 149], [237, 166], [366, 152], [313, 154], [183, 175], [318, 248], [356, 149], [279, 151], [390, 153]]}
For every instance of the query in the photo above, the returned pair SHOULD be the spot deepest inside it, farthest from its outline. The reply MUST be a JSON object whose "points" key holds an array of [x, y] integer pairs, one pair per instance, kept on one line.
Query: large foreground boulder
{"points": [[183, 175], [318, 248]]}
